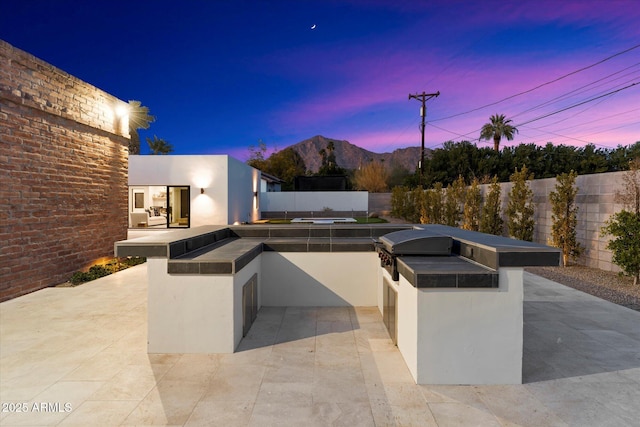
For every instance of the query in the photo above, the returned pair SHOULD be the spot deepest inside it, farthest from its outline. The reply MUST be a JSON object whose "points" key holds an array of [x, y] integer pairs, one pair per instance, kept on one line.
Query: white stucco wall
{"points": [[319, 279], [314, 201], [180, 314], [408, 324], [196, 313], [446, 336], [470, 336], [243, 182], [228, 184]]}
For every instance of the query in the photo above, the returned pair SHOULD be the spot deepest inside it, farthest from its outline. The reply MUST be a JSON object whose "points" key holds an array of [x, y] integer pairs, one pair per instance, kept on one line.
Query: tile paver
{"points": [[86, 346]]}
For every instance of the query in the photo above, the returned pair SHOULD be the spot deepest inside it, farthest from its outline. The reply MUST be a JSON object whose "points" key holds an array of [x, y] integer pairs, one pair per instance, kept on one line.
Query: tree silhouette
{"points": [[497, 128], [139, 118], [159, 145]]}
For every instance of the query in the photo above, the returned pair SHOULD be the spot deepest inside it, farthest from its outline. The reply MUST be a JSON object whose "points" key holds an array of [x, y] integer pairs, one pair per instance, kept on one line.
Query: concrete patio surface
{"points": [[77, 356]]}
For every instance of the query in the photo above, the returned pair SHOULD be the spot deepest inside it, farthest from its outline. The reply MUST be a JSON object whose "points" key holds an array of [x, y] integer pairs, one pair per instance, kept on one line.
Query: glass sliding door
{"points": [[178, 206]]}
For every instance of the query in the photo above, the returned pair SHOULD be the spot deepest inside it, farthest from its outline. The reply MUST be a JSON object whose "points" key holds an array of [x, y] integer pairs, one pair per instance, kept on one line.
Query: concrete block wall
{"points": [[63, 158], [596, 203]]}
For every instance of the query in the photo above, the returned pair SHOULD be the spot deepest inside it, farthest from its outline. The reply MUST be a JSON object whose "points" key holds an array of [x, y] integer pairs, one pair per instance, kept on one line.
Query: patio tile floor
{"points": [[77, 356]]}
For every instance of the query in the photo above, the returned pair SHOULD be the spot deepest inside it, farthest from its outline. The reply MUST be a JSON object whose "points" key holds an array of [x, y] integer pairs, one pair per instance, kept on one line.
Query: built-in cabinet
{"points": [[249, 303], [390, 309]]}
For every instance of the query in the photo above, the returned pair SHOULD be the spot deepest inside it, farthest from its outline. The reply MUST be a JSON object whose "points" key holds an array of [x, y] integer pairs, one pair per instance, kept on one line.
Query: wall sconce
{"points": [[255, 194], [202, 191]]}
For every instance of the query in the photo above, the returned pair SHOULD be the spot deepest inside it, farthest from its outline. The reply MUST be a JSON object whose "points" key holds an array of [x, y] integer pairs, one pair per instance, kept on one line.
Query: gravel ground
{"points": [[602, 284]]}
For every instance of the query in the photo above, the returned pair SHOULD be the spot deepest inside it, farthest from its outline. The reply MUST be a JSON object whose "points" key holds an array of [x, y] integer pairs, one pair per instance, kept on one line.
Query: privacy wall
{"points": [[293, 204], [596, 203], [63, 157]]}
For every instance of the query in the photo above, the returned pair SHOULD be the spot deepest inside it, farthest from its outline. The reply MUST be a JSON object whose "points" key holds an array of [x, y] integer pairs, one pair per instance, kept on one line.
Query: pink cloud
{"points": [[357, 80]]}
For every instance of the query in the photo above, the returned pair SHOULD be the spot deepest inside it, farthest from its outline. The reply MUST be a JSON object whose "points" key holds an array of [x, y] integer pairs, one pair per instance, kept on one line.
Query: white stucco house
{"points": [[182, 191]]}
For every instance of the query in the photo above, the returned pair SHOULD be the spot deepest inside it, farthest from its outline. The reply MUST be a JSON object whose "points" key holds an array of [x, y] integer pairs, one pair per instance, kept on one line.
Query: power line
{"points": [[566, 95], [539, 86], [577, 105], [578, 90], [547, 115]]}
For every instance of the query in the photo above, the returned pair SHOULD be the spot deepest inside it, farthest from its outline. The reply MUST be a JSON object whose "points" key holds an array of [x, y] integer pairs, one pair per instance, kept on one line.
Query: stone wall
{"points": [[63, 157]]}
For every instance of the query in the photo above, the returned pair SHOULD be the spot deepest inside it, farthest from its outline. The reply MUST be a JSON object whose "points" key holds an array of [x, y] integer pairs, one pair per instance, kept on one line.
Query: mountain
{"points": [[351, 156]]}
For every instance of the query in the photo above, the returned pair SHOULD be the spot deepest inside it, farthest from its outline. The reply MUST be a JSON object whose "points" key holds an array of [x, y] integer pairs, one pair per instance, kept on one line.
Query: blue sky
{"points": [[223, 75]]}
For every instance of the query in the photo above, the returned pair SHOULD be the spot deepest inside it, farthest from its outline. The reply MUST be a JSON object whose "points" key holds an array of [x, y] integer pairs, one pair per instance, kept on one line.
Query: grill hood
{"points": [[416, 242]]}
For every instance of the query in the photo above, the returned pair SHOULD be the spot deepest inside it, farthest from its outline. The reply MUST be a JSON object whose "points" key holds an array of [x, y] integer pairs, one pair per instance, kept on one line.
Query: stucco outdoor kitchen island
{"points": [[452, 300]]}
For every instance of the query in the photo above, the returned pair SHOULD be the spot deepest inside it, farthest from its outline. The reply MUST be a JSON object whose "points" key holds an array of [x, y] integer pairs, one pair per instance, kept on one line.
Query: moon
{"points": [[313, 27]]}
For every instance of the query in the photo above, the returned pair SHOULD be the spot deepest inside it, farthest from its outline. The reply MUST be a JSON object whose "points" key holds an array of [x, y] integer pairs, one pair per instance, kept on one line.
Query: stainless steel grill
{"points": [[410, 243]]}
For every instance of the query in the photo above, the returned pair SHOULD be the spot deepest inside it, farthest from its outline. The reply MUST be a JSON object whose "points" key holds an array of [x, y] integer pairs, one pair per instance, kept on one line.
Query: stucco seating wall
{"points": [[459, 318]]}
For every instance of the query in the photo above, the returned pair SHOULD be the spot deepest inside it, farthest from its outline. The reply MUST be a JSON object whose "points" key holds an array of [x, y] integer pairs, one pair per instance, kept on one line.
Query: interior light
{"points": [[202, 191]]}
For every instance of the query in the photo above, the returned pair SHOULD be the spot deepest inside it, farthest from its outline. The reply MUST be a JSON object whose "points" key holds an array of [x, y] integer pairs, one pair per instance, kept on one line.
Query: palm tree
{"points": [[496, 129], [159, 146], [139, 118]]}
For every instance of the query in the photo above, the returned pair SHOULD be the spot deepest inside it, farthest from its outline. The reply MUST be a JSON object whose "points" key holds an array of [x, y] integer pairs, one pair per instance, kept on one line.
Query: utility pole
{"points": [[423, 112]]}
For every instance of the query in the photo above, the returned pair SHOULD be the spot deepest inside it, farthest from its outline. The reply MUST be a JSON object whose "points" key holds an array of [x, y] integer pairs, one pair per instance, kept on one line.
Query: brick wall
{"points": [[63, 164]]}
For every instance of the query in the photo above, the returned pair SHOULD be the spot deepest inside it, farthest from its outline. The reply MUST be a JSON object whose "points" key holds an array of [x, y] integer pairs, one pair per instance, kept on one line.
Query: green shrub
{"points": [[453, 202], [79, 277], [491, 220], [472, 207], [564, 214], [97, 271], [520, 206], [432, 211], [398, 201], [624, 226]]}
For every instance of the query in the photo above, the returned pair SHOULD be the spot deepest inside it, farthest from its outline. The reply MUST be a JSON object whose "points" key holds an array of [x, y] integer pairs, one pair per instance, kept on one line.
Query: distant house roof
{"points": [[271, 178]]}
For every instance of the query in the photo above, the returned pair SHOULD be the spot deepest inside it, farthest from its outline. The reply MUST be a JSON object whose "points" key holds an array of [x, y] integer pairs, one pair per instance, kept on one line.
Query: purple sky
{"points": [[222, 75]]}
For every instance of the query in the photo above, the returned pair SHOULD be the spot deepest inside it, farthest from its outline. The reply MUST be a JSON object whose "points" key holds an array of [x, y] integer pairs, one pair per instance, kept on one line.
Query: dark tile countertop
{"points": [[224, 257], [227, 249], [497, 251], [446, 272]]}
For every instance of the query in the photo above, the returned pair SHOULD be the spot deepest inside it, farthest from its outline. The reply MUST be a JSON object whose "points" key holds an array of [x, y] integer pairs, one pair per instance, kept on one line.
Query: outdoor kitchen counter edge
{"points": [[497, 251], [181, 245]]}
